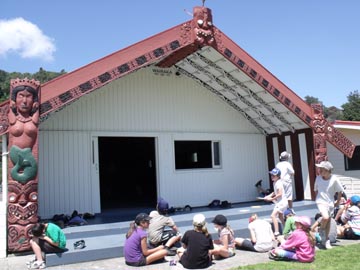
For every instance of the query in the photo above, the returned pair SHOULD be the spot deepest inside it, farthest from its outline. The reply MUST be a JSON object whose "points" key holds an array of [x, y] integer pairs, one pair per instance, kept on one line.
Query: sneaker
{"points": [[293, 211], [276, 234], [328, 245], [38, 265], [29, 263], [171, 252], [258, 183], [272, 255]]}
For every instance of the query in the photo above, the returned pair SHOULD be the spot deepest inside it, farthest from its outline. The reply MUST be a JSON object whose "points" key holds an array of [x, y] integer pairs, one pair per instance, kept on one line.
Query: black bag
{"points": [[214, 203], [225, 204]]}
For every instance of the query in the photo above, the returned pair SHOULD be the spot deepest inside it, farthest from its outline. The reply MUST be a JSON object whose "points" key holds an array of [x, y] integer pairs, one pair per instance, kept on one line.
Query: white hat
{"points": [[199, 220], [326, 165], [285, 155]]}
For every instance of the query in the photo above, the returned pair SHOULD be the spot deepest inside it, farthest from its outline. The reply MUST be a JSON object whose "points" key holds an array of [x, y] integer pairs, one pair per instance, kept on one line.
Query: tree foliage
{"points": [[351, 109], [330, 113], [5, 77], [312, 100]]}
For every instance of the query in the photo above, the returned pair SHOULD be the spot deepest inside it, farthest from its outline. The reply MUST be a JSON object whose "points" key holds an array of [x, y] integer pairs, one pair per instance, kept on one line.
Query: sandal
{"points": [[79, 244]]}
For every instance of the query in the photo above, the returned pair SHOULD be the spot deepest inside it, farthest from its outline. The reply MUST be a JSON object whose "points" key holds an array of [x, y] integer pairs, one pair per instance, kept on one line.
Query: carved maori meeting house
{"points": [[183, 90]]}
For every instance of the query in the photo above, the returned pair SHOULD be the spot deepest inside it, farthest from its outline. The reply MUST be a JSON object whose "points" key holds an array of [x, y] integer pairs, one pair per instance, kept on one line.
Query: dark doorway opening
{"points": [[127, 172]]}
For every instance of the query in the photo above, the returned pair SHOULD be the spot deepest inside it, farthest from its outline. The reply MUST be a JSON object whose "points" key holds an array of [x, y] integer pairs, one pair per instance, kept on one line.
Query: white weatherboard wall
{"points": [[144, 104]]}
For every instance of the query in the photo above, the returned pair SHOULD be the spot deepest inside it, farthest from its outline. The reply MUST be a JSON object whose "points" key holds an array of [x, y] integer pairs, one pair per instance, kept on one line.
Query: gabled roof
{"points": [[199, 50]]}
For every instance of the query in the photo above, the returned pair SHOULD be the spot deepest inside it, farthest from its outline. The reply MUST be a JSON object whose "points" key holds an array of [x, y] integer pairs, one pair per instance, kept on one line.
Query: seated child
{"points": [[47, 238], [289, 225], [162, 229], [136, 252], [261, 191], [300, 246], [197, 245], [333, 233], [261, 236], [224, 246]]}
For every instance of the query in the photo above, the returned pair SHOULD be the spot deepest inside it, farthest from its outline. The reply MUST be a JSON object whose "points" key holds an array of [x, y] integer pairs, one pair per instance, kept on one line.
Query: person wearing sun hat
{"points": [[325, 187], [300, 246], [136, 251], [162, 229], [261, 236], [351, 218], [279, 198], [197, 245]]}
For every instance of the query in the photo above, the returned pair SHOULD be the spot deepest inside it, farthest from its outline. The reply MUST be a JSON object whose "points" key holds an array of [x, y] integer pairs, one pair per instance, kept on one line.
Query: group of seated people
{"points": [[152, 237], [148, 241]]}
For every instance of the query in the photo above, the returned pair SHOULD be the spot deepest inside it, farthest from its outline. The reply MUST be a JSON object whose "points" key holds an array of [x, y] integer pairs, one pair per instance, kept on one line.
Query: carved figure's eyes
{"points": [[33, 196], [209, 23], [200, 22], [12, 197]]}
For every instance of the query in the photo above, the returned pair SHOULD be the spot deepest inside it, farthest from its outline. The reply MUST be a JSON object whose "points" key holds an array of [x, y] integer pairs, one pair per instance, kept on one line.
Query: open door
{"points": [[127, 172]]}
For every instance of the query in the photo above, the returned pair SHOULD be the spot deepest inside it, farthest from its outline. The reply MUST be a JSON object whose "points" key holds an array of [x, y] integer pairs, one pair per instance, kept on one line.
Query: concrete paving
{"points": [[13, 262]]}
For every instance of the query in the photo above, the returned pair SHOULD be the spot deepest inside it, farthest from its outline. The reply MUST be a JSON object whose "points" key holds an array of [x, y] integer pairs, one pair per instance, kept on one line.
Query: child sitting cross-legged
{"points": [[300, 246], [224, 247]]}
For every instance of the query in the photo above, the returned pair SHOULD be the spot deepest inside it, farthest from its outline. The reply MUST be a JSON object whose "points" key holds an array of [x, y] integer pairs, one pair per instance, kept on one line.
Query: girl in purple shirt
{"points": [[300, 246], [136, 252]]}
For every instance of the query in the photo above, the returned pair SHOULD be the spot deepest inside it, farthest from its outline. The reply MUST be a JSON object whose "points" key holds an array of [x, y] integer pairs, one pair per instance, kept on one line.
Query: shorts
{"points": [[288, 190], [46, 247], [248, 245], [166, 235], [231, 250], [325, 210], [141, 262], [280, 207]]}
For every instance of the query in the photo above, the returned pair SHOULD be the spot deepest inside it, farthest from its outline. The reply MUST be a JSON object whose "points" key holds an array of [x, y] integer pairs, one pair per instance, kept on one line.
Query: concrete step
{"points": [[106, 241]]}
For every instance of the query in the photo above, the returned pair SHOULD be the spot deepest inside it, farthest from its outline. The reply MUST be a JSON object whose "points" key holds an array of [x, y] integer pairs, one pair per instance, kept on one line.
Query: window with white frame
{"points": [[197, 154], [352, 164]]}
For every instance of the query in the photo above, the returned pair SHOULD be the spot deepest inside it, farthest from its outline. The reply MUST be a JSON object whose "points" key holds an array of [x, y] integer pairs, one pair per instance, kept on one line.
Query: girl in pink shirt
{"points": [[300, 246]]}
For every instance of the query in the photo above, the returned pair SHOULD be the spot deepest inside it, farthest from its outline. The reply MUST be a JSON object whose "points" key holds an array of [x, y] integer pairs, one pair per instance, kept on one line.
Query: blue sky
{"points": [[310, 45]]}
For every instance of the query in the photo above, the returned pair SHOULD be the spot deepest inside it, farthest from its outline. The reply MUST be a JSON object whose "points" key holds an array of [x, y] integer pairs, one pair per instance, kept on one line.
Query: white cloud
{"points": [[26, 39]]}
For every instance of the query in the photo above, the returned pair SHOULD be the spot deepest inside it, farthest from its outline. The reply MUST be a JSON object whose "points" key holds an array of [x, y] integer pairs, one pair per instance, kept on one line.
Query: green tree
{"points": [[330, 113], [351, 109], [42, 76], [312, 100]]}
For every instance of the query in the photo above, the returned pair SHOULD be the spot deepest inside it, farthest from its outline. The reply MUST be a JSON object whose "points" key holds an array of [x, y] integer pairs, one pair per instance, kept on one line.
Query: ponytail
{"points": [[132, 228], [310, 236]]}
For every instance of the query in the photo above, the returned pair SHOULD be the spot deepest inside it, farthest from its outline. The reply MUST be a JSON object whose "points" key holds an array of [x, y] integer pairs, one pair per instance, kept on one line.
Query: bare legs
{"points": [[36, 249]]}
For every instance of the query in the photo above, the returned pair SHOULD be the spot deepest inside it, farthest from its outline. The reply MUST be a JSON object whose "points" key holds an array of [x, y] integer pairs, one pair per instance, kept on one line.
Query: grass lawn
{"points": [[340, 257]]}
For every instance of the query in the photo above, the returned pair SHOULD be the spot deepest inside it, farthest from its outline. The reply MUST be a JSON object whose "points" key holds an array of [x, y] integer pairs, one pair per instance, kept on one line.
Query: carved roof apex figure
{"points": [[24, 82]]}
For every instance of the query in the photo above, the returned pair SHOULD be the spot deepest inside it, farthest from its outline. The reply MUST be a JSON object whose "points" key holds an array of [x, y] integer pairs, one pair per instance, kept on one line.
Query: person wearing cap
{"points": [[287, 173], [197, 245], [289, 226], [261, 236], [279, 198], [351, 218], [224, 247], [136, 251], [300, 246], [162, 229], [325, 187]]}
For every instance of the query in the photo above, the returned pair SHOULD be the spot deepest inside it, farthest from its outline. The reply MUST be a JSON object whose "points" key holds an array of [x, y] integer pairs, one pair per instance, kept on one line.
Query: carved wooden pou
{"points": [[23, 162]]}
